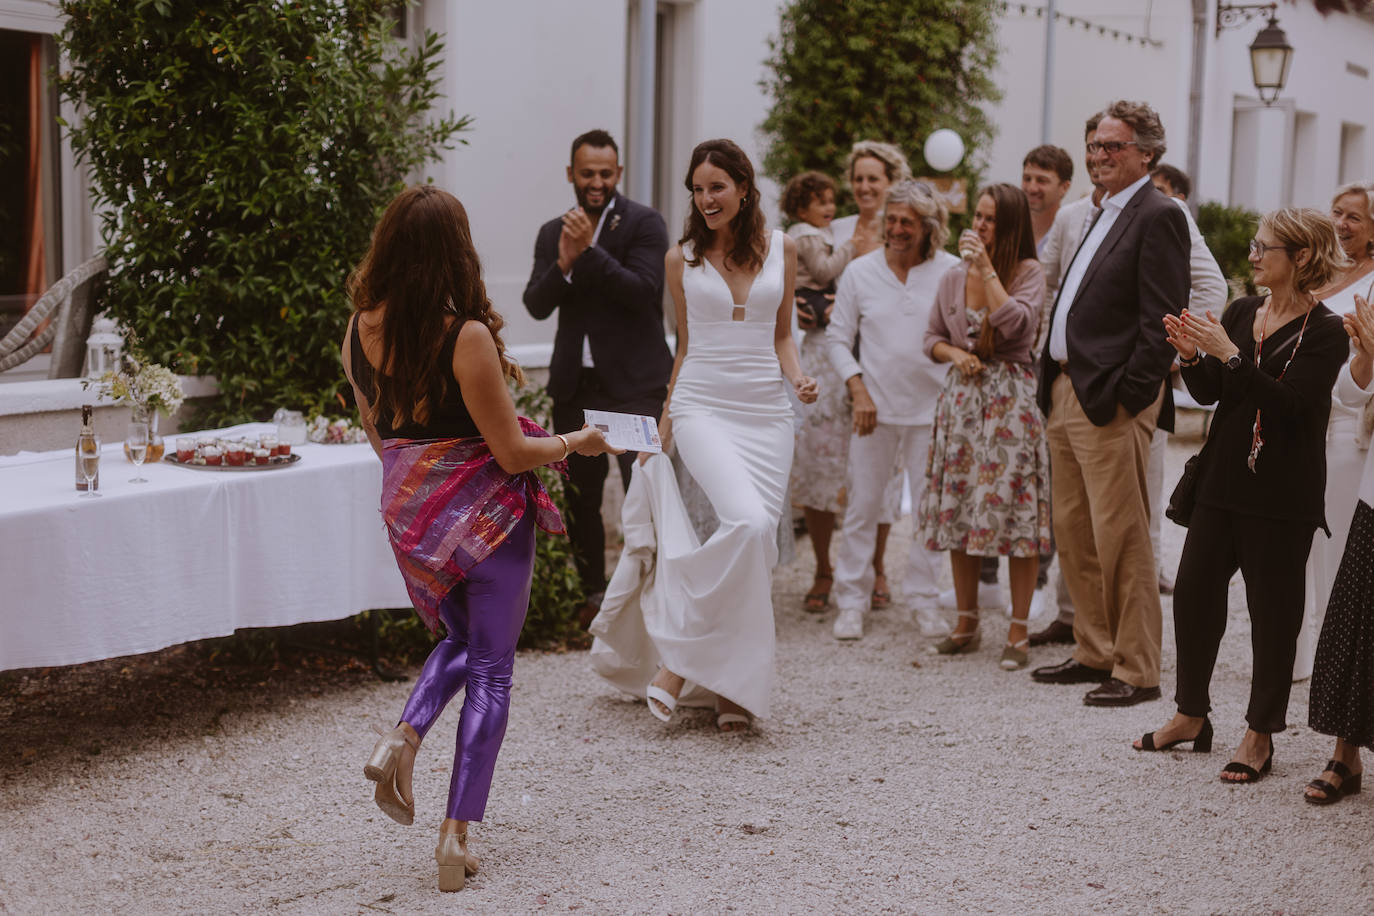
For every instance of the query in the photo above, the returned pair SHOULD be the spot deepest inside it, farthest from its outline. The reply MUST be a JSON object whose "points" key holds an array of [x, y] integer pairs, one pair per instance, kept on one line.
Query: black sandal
{"points": [[1202, 742], [1350, 785], [1250, 773]]}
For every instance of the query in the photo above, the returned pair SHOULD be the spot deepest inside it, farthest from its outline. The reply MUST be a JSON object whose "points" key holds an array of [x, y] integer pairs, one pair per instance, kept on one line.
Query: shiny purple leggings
{"points": [[483, 616]]}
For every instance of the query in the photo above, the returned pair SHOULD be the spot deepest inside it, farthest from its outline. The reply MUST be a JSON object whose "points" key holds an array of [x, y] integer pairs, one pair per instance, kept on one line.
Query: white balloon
{"points": [[944, 150]]}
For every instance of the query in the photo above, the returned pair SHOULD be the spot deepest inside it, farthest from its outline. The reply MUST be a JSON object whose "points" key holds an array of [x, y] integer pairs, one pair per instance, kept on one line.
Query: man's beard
{"points": [[606, 195]]}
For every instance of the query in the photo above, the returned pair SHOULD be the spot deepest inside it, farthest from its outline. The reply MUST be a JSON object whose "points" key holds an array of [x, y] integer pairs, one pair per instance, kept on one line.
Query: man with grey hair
{"points": [[1102, 377], [885, 297]]}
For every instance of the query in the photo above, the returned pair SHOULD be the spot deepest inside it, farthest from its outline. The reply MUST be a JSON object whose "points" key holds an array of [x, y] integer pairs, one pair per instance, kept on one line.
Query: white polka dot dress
{"points": [[1342, 696]]}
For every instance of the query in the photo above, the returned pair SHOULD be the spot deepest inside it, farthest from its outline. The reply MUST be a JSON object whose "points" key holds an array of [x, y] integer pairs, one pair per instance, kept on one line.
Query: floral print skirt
{"points": [[988, 491], [821, 457]]}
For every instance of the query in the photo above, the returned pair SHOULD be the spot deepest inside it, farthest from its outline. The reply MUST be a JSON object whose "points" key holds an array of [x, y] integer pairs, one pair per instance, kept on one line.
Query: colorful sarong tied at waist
{"points": [[447, 505]]}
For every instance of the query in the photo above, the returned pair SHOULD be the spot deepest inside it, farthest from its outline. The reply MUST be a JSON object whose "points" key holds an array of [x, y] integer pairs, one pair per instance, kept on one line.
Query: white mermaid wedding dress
{"points": [[704, 609]]}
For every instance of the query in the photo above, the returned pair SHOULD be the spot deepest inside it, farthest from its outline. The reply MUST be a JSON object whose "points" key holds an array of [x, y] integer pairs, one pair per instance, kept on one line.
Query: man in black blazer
{"points": [[600, 266], [1102, 384]]}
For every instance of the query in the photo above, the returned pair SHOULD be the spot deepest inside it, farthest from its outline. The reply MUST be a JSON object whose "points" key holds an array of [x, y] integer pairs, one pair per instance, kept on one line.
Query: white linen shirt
{"points": [[890, 319], [1111, 210]]}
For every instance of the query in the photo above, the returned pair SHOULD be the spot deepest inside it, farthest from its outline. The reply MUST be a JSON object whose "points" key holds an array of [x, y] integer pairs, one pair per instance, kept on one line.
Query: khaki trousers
{"points": [[1102, 526]]}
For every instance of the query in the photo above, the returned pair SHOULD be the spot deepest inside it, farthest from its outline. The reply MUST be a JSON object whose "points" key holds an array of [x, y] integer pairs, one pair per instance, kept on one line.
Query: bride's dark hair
{"points": [[423, 267], [748, 225]]}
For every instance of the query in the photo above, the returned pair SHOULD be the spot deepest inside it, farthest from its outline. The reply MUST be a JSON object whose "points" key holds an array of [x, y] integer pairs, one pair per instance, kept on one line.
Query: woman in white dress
{"points": [[1348, 430], [701, 614]]}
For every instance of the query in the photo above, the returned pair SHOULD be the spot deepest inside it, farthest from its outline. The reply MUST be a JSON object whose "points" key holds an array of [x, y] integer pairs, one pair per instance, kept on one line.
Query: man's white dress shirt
{"points": [[1111, 211]]}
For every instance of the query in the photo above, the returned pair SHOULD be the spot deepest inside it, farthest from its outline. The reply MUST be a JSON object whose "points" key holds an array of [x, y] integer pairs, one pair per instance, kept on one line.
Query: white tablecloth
{"points": [[190, 554]]}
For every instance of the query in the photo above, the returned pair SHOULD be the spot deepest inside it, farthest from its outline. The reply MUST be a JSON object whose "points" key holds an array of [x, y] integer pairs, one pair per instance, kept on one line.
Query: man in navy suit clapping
{"points": [[600, 266]]}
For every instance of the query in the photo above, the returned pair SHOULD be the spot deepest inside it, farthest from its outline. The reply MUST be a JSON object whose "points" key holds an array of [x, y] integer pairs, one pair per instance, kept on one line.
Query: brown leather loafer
{"points": [[1070, 672], [1056, 633], [1118, 693]]}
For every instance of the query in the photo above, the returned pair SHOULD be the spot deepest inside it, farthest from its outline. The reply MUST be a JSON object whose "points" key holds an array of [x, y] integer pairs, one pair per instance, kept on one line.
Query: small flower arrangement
{"points": [[335, 431], [141, 384]]}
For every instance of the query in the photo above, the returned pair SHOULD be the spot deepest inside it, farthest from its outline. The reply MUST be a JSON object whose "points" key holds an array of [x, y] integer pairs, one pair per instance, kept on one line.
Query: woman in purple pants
{"points": [[460, 500]]}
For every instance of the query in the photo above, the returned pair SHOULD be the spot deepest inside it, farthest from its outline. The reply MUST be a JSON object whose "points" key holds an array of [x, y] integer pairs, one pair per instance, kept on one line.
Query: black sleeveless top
{"points": [[448, 415]]}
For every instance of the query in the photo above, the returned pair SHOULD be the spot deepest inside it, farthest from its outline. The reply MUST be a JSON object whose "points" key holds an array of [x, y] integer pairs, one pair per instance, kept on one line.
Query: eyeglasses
{"points": [[1259, 248], [1110, 147]]}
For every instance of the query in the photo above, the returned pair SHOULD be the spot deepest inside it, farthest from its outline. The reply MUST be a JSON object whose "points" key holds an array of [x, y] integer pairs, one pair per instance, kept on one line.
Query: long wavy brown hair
{"points": [[423, 268], [1013, 242], [751, 240]]}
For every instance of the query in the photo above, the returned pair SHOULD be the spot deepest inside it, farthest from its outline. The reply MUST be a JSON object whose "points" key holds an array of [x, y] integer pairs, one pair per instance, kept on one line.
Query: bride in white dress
{"points": [[697, 617]]}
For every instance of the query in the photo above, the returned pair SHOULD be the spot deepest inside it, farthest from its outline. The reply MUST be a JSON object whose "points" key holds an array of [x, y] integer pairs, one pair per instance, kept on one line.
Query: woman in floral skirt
{"points": [[988, 483]]}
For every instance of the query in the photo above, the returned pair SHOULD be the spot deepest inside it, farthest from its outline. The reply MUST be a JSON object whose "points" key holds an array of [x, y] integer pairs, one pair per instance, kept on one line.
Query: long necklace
{"points": [[1256, 439]]}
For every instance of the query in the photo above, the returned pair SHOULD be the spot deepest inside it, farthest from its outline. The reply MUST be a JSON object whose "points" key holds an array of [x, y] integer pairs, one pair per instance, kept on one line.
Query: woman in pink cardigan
{"points": [[987, 490]]}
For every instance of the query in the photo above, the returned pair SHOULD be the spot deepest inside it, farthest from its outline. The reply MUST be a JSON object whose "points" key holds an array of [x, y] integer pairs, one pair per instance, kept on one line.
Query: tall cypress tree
{"points": [[895, 70]]}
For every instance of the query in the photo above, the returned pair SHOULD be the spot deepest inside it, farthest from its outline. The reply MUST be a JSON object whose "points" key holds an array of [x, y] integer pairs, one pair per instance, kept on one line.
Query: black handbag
{"points": [[1180, 508]]}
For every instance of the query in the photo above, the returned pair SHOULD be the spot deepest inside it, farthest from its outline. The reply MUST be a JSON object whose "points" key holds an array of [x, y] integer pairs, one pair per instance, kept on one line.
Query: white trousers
{"points": [[1154, 483], [873, 460]]}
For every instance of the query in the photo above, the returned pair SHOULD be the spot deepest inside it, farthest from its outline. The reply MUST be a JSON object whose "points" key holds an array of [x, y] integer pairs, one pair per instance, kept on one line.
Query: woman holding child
{"points": [[825, 246]]}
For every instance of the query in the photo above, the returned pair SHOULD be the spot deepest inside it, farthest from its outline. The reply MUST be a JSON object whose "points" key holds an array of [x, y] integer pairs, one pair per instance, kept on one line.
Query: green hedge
{"points": [[892, 70], [241, 152], [1228, 231]]}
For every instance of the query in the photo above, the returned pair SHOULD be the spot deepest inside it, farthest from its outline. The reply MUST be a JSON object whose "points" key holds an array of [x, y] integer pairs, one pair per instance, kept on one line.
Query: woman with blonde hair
{"points": [[1341, 702], [1348, 432], [460, 502], [1269, 365], [822, 450]]}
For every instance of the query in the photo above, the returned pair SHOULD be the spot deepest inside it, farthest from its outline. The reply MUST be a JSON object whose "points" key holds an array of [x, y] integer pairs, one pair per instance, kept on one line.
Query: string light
{"points": [[1071, 21]]}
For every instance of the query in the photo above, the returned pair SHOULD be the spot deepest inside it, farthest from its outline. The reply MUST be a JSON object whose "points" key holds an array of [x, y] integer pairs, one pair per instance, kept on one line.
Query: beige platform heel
{"points": [[456, 864], [382, 768]]}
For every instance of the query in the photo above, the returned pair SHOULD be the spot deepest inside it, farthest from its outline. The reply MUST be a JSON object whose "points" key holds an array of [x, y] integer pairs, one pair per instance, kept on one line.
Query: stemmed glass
{"points": [[88, 450], [137, 441]]}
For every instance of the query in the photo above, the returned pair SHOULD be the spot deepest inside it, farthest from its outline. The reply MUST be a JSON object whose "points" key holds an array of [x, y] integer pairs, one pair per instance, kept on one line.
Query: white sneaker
{"points": [[932, 623], [989, 595], [849, 625]]}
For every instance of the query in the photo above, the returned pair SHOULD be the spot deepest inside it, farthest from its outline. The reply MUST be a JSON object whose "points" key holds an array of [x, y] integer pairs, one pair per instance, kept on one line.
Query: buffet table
{"points": [[190, 554]]}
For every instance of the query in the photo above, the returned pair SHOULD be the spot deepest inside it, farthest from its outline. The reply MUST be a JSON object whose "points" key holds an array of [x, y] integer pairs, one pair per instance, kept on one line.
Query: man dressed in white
{"points": [[883, 300]]}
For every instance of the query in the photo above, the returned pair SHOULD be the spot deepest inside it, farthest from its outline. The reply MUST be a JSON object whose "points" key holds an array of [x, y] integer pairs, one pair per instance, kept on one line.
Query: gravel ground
{"points": [[172, 784]]}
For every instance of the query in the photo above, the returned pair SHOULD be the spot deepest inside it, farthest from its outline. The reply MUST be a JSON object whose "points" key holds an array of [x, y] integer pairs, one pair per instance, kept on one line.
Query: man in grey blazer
{"points": [[1102, 377]]}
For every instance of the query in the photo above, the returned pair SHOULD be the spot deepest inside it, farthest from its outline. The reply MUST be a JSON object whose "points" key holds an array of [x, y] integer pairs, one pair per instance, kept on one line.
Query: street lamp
{"points": [[1270, 56], [1270, 53]]}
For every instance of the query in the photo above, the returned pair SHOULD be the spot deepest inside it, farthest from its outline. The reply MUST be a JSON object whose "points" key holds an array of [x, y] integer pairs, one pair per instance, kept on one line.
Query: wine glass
{"points": [[88, 450], [136, 439]]}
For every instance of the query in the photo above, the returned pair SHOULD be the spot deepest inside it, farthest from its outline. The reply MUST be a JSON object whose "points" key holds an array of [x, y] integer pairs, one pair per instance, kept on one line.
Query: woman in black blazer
{"points": [[1271, 363]]}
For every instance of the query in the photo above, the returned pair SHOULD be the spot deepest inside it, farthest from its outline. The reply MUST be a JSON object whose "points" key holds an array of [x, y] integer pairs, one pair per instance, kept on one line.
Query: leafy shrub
{"points": [[241, 151], [891, 70], [1228, 231]]}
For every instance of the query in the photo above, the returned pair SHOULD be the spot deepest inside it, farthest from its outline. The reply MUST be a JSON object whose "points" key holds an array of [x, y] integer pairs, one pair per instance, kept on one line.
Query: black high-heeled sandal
{"points": [[1350, 785], [1250, 773], [1202, 741]]}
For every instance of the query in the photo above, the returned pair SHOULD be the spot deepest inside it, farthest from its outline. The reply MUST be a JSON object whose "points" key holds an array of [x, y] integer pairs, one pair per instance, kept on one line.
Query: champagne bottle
{"points": [[87, 429]]}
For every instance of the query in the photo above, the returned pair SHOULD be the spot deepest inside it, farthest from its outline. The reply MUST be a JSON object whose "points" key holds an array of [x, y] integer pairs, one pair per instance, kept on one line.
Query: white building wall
{"points": [[1090, 69], [1297, 158], [533, 75]]}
